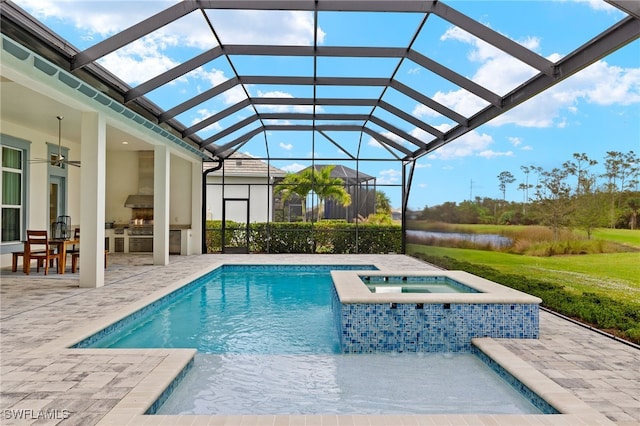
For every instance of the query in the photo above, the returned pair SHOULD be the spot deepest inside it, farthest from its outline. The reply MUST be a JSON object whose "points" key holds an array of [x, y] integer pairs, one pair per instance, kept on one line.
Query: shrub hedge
{"points": [[616, 317], [330, 236]]}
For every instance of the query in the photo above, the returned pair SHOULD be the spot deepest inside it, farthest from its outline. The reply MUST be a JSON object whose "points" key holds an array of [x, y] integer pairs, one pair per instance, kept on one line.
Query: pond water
{"points": [[495, 240]]}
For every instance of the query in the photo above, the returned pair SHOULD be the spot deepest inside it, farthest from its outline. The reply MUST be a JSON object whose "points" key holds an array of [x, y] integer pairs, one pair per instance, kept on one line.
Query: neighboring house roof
{"points": [[349, 175], [240, 164]]}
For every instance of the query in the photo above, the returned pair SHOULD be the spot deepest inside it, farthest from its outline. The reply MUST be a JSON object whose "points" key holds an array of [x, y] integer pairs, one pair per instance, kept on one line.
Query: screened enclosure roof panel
{"points": [[375, 69]]}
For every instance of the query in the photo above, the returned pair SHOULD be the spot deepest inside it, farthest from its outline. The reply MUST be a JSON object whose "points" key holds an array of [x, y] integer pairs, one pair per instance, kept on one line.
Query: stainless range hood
{"points": [[144, 198], [139, 201]]}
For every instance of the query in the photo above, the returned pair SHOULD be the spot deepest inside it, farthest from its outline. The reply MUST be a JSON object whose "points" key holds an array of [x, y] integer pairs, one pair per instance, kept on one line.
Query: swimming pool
{"points": [[268, 346], [420, 284], [238, 309]]}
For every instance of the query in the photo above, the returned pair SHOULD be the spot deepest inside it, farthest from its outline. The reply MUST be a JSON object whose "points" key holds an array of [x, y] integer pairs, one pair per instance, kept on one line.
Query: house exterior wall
{"points": [[38, 191], [180, 204], [122, 180], [118, 170], [37, 181], [256, 189]]}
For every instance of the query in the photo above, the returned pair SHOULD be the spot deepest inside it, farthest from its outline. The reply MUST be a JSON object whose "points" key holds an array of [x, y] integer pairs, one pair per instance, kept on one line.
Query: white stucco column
{"points": [[195, 240], [92, 198], [161, 189]]}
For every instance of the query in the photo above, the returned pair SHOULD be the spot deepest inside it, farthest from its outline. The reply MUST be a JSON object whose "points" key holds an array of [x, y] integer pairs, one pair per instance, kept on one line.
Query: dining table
{"points": [[61, 247]]}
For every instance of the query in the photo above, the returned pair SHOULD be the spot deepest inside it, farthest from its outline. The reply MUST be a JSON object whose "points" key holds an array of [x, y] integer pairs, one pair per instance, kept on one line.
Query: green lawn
{"points": [[623, 236], [616, 274]]}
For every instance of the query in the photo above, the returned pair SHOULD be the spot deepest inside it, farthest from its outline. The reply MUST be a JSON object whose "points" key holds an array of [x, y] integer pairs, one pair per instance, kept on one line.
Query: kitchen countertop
{"points": [[171, 227]]}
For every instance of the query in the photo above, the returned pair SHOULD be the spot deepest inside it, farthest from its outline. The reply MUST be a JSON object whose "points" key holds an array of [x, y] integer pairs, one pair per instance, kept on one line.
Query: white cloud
{"points": [[515, 141], [391, 136], [389, 176], [595, 4], [213, 77], [234, 95], [283, 108], [425, 136], [599, 84], [467, 145], [498, 72], [276, 122], [286, 146], [265, 27], [100, 18], [527, 148], [603, 84], [492, 154], [292, 168], [203, 114], [374, 143], [139, 61]]}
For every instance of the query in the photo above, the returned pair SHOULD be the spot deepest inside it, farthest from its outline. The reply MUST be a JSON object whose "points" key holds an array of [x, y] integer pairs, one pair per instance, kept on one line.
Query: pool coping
{"points": [[351, 289], [132, 407]]}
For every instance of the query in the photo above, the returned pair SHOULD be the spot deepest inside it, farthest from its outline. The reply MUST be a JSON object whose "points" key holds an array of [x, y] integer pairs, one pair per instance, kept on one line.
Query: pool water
{"points": [[416, 383], [400, 287], [419, 284], [267, 344], [240, 312]]}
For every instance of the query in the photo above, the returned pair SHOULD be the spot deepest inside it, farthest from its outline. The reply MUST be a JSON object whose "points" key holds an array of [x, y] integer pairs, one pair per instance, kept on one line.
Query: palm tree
{"points": [[327, 187], [296, 184], [319, 181], [383, 203]]}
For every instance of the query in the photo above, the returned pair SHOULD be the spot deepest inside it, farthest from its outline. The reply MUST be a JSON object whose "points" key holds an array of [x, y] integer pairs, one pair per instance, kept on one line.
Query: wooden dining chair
{"points": [[75, 252], [75, 248], [37, 248]]}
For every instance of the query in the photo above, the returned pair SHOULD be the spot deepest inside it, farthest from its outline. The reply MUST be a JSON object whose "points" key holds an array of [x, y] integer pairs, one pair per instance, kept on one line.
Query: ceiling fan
{"points": [[58, 159]]}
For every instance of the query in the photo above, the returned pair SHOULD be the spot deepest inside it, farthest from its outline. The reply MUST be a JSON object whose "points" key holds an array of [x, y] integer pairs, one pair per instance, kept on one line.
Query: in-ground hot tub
{"points": [[393, 320], [414, 284]]}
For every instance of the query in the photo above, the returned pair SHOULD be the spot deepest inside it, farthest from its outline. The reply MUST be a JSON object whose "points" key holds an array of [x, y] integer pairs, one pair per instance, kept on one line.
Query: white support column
{"points": [[92, 193], [161, 189], [195, 240]]}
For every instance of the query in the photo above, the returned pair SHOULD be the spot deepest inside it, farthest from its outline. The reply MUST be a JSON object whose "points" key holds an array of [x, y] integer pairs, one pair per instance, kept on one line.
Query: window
{"points": [[12, 193]]}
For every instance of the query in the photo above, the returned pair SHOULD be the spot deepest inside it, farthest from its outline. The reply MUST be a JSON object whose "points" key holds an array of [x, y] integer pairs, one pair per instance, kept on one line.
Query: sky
{"points": [[595, 111]]}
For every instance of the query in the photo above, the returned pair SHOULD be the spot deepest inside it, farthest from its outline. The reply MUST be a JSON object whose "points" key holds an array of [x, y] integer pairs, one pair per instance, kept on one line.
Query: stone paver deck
{"points": [[596, 378]]}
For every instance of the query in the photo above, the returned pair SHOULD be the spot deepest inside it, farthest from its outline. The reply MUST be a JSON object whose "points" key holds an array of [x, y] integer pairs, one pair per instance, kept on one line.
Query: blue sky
{"points": [[592, 112]]}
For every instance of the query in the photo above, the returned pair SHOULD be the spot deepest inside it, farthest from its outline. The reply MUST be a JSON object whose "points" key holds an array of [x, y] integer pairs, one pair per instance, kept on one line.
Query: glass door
{"points": [[57, 199]]}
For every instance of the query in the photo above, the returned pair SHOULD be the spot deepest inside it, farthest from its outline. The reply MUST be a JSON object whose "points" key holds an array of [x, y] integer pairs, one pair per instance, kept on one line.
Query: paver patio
{"points": [[82, 387]]}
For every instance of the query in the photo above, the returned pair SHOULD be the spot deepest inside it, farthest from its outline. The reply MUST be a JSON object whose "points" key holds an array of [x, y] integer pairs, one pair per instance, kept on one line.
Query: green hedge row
{"points": [[617, 317], [334, 237]]}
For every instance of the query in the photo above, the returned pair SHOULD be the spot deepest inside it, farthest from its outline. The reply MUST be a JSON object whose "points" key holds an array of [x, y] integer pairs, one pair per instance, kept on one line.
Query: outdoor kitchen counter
{"points": [[129, 239]]}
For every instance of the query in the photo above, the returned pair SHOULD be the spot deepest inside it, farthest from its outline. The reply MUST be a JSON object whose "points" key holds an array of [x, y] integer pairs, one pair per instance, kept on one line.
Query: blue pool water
{"points": [[267, 345], [240, 312]]}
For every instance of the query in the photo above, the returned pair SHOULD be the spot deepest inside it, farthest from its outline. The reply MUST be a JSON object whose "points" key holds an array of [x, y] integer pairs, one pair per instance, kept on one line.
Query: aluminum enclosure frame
{"points": [[404, 147]]}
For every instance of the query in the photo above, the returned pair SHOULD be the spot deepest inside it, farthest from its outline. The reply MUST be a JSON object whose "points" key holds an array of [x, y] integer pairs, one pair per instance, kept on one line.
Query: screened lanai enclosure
{"points": [[267, 89]]}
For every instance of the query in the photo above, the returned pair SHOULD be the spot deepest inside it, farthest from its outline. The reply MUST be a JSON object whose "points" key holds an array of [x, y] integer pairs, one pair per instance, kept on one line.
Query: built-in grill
{"points": [[141, 205], [141, 230]]}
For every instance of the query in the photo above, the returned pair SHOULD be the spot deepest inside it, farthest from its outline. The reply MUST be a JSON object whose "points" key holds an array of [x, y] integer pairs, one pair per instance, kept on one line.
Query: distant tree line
{"points": [[570, 195]]}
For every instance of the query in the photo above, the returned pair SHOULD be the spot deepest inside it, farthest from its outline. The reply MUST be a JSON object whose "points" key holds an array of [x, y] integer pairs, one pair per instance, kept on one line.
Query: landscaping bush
{"points": [[618, 318], [213, 236], [330, 236]]}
